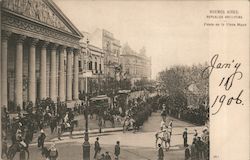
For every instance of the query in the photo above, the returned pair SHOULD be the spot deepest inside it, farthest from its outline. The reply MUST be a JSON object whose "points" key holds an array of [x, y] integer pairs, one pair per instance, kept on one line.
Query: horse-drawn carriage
{"points": [[101, 106]]}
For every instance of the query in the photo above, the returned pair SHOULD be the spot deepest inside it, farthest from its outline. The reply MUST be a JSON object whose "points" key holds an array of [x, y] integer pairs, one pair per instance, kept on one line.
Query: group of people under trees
{"points": [[177, 107]]}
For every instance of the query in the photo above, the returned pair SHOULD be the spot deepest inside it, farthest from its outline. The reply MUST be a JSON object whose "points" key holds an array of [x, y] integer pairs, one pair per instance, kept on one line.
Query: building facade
{"points": [[135, 66], [91, 66], [111, 48], [40, 53]]}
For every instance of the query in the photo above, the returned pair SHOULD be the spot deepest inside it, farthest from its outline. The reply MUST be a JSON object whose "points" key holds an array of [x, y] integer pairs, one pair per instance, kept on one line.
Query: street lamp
{"points": [[86, 144]]}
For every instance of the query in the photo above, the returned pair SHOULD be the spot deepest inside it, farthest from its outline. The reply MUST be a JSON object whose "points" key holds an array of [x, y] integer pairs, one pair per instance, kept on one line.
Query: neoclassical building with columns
{"points": [[39, 53]]}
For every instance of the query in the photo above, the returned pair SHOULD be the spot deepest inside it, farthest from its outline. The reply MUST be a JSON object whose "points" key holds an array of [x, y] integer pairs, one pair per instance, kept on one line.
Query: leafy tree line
{"points": [[186, 92]]}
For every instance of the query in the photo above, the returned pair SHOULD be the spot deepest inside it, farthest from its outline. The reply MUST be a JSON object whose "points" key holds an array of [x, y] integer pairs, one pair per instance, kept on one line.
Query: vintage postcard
{"points": [[124, 80]]}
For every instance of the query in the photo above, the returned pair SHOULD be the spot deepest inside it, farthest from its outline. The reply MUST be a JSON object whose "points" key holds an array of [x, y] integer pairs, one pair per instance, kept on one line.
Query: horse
{"points": [[128, 122], [109, 117], [163, 136], [47, 118], [45, 152], [118, 118], [17, 147], [69, 126]]}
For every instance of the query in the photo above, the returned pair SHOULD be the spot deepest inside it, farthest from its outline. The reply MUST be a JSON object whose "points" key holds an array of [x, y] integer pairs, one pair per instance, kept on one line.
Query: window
{"points": [[100, 67], [96, 66], [84, 64], [90, 65], [79, 64]]}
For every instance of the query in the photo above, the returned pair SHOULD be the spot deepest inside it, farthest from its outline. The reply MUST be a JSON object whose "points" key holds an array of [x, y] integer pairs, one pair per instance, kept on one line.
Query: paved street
{"points": [[93, 125], [134, 146]]}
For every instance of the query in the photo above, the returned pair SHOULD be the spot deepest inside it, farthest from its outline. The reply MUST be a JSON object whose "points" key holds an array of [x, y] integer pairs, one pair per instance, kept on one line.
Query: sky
{"points": [[172, 32]]}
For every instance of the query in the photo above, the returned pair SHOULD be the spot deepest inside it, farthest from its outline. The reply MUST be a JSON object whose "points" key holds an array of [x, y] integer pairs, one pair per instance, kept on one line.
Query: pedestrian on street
{"points": [[100, 124], [117, 150], [4, 148], [170, 126], [102, 156], [193, 150], [98, 155], [187, 153], [53, 153], [52, 124], [195, 133], [59, 130], [41, 139], [185, 137], [107, 156], [97, 146], [199, 147], [160, 152], [22, 154]]}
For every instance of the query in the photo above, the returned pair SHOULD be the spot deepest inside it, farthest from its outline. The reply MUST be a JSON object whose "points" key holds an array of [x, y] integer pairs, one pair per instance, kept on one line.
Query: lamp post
{"points": [[86, 144]]}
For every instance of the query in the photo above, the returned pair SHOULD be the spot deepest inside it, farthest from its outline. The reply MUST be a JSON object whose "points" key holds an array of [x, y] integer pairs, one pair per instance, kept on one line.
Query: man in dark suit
{"points": [[185, 137], [160, 153], [97, 146], [117, 150]]}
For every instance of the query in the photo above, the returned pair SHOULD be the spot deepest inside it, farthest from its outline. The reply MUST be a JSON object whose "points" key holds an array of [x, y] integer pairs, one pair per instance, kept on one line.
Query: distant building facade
{"points": [[111, 48], [91, 64], [135, 66]]}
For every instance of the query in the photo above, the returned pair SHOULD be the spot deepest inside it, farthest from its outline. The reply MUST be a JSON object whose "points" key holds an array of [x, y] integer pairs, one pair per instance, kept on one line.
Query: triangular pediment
{"points": [[44, 11]]}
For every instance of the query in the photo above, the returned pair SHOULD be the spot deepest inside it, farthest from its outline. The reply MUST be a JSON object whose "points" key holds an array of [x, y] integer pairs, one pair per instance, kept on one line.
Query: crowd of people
{"points": [[21, 127], [56, 116], [177, 107], [199, 149]]}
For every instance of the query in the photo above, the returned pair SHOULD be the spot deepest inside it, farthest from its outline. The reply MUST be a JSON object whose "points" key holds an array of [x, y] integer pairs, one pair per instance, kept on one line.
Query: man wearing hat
{"points": [[41, 139], [97, 146], [117, 150], [160, 153], [185, 137]]}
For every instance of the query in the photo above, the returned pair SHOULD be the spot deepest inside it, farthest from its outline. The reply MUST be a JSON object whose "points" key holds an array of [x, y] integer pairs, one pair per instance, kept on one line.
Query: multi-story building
{"points": [[91, 65], [111, 48], [135, 66], [36, 37]]}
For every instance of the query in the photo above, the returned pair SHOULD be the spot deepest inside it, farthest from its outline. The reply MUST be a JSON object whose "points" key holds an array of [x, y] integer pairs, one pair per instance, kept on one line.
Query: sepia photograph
{"points": [[112, 80]]}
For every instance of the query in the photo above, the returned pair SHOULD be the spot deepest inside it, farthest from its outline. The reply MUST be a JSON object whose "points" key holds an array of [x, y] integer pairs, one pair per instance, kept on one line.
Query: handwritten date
{"points": [[223, 99]]}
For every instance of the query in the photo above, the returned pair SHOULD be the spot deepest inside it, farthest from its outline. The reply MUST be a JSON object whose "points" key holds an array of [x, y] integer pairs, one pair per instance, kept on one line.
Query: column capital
{"points": [[33, 41], [53, 46], [6, 35], [76, 51], [61, 47], [69, 49], [20, 38], [44, 44]]}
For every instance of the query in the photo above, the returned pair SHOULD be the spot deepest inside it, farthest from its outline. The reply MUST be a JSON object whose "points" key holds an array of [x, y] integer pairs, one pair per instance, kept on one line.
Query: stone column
{"points": [[53, 73], [61, 74], [19, 71], [4, 68], [76, 76], [32, 70], [69, 73], [43, 64], [82, 69]]}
